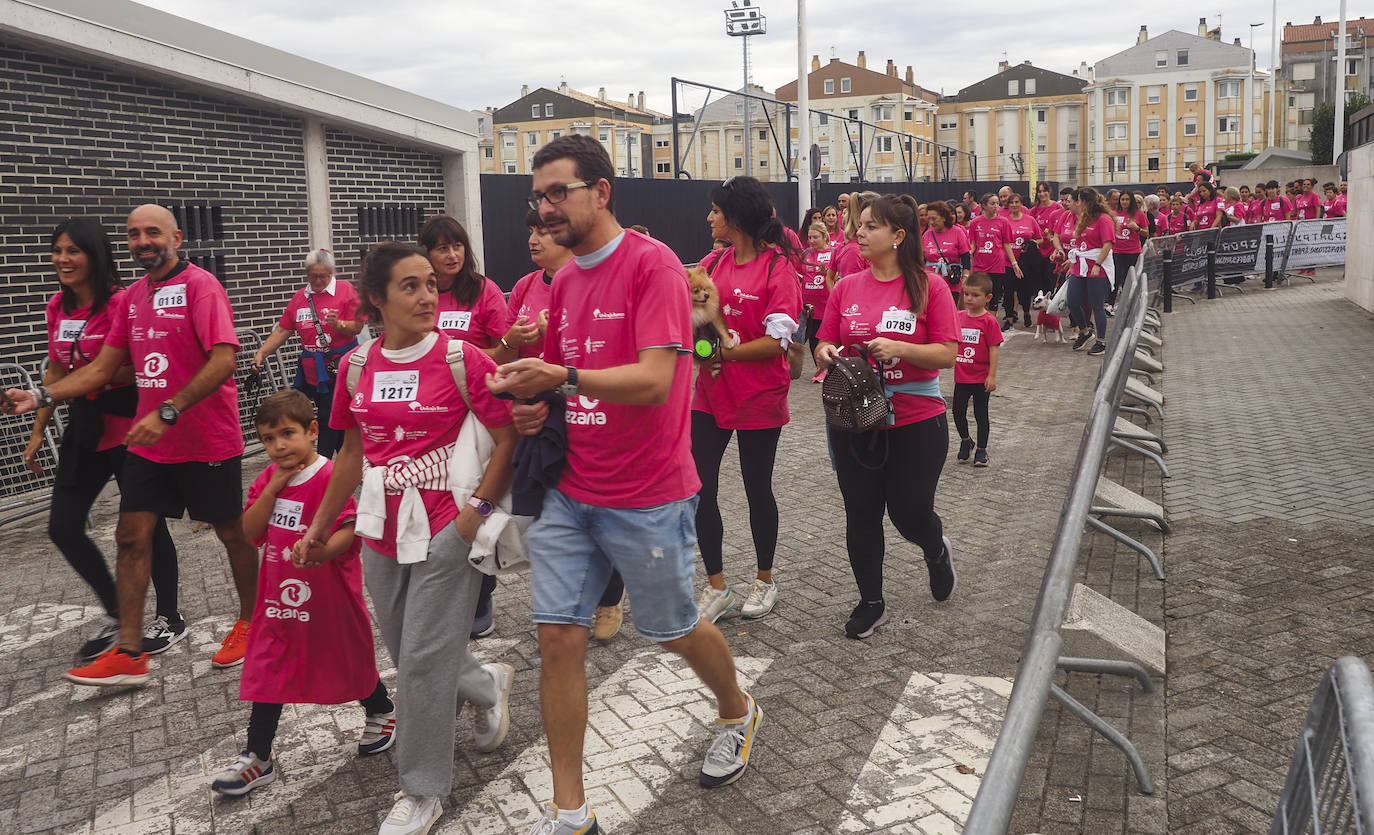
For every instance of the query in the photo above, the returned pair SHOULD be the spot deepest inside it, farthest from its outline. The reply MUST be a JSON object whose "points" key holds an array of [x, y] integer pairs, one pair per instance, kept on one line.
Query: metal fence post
{"points": [[1268, 261], [1166, 281], [1211, 269]]}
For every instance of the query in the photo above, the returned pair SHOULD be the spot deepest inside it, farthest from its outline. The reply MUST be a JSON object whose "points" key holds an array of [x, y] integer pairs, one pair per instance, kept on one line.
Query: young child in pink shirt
{"points": [[975, 365], [312, 638]]}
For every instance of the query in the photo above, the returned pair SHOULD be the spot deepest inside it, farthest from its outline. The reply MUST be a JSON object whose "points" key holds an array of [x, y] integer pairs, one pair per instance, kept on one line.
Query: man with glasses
{"points": [[618, 349]]}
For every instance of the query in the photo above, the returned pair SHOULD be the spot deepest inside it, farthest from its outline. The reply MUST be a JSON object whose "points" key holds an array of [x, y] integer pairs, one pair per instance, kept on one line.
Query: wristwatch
{"points": [[42, 397], [484, 507], [569, 388], [168, 413]]}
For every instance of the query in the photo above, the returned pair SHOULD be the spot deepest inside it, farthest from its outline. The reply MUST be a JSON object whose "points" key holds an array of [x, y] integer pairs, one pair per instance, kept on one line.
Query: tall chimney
{"points": [[524, 90], [1002, 66], [891, 68], [1236, 41], [815, 62], [1202, 27], [1315, 22], [862, 62], [563, 87], [1143, 36], [601, 94], [910, 75], [640, 100]]}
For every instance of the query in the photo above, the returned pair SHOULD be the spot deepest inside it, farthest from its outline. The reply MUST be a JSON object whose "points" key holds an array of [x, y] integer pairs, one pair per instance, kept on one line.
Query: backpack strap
{"points": [[356, 361], [458, 365]]}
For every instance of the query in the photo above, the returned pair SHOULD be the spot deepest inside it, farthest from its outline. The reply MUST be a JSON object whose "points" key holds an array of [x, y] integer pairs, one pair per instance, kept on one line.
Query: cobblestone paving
{"points": [[858, 736]]}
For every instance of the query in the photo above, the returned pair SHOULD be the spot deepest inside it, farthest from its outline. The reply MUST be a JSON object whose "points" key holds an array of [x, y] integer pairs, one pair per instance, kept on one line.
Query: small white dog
{"points": [[1045, 321]]}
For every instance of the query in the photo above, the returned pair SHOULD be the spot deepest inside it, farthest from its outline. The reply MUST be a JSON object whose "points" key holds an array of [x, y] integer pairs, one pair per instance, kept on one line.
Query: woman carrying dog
{"points": [[904, 317], [760, 296]]}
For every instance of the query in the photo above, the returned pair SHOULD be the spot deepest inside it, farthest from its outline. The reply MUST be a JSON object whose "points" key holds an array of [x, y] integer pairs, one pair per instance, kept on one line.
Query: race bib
{"points": [[304, 314], [286, 514], [69, 330], [898, 321], [170, 297], [971, 336], [395, 386], [455, 320]]}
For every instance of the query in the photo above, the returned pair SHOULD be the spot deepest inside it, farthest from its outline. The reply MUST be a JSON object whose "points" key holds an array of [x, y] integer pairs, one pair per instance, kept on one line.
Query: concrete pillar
{"points": [[463, 196], [317, 203]]}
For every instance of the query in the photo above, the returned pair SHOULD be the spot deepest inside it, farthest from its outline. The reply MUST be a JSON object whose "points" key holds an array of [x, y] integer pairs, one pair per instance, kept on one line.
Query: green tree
{"points": [[1324, 127]]}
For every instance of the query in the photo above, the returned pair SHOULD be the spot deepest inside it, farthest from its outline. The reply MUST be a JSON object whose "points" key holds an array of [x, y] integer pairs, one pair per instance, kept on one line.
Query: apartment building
{"points": [[991, 120], [897, 140], [1172, 100], [711, 140], [520, 128], [1309, 68]]}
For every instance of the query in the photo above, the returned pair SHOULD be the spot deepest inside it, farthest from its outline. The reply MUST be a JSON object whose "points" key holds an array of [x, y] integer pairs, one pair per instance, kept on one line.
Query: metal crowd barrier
{"points": [[1330, 785], [1040, 656], [22, 493], [253, 388]]}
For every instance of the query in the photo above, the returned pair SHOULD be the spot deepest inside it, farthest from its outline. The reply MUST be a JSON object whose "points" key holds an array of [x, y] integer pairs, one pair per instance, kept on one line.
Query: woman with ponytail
{"points": [[745, 391], [1088, 280], [904, 317]]}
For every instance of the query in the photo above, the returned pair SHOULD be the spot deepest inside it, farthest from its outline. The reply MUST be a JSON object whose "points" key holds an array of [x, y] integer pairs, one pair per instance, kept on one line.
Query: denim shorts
{"points": [[574, 547]]}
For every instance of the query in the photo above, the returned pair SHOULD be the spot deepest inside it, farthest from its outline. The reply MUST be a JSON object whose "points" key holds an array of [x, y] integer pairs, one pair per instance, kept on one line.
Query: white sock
{"points": [[576, 816]]}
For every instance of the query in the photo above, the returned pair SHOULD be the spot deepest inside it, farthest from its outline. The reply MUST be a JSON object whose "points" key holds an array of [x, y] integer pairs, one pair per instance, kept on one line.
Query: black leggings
{"points": [[757, 450], [1122, 262], [1003, 293], [262, 722], [615, 588], [904, 485], [1036, 269], [813, 327], [330, 439], [962, 393], [81, 475]]}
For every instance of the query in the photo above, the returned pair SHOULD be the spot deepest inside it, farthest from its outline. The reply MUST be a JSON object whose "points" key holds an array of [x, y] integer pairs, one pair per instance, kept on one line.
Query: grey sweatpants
{"points": [[425, 612]]}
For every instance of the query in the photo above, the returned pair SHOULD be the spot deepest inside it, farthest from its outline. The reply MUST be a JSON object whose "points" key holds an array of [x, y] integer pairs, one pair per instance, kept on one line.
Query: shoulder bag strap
{"points": [[457, 363], [356, 361]]}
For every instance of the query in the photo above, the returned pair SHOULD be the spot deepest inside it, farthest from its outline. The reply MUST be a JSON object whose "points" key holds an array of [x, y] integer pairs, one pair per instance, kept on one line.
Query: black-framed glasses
{"points": [[555, 195]]}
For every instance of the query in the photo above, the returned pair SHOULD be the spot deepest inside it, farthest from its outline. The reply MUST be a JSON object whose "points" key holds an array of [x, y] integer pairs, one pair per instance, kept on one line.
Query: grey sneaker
{"points": [[550, 824], [490, 724], [762, 598], [103, 639], [244, 774], [714, 603], [729, 753]]}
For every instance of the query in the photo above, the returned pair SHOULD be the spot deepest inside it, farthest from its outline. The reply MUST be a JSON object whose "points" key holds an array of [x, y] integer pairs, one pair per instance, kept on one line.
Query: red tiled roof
{"points": [[1308, 33]]}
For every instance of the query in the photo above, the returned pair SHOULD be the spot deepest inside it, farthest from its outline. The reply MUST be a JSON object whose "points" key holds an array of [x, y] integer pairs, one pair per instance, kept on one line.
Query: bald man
{"points": [[184, 448]]}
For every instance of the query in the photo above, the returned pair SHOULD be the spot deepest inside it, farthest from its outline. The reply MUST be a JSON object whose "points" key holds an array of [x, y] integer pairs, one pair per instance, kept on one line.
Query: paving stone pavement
{"points": [[858, 736]]}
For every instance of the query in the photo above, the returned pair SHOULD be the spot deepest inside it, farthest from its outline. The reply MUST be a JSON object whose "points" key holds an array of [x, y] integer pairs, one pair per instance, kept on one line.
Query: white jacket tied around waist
{"points": [[500, 544], [1083, 259]]}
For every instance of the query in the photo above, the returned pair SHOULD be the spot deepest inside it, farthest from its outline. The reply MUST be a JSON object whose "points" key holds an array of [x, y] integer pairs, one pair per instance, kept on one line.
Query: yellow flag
{"points": [[1030, 127]]}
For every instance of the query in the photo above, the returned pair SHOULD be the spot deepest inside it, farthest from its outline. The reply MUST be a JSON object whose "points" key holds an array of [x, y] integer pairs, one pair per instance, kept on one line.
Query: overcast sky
{"points": [[473, 54]]}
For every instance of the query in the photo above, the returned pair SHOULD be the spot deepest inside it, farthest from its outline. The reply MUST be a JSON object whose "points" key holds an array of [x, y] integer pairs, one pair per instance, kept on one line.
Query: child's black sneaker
{"points": [[980, 458]]}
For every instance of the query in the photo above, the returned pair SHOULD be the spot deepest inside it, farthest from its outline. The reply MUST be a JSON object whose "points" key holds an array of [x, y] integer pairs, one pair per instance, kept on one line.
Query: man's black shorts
{"points": [[209, 491]]}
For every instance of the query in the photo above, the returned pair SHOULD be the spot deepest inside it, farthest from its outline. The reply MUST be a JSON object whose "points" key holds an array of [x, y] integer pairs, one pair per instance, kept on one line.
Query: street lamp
{"points": [[743, 19], [1251, 103]]}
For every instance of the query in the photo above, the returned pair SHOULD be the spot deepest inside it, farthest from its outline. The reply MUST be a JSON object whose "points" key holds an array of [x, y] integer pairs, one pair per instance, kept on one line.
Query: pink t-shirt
{"points": [[528, 299], [1336, 208], [1099, 232], [836, 238], [862, 308], [1023, 229], [482, 323], [1207, 213], [1171, 224], [752, 394], [311, 640], [951, 243], [989, 237], [1238, 212], [814, 267], [298, 317], [406, 409], [73, 341], [978, 335], [1308, 206], [601, 317], [1127, 239], [848, 260], [1275, 208], [169, 331]]}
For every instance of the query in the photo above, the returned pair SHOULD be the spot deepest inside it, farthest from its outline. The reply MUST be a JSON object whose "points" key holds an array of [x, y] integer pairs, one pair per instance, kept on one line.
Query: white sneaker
{"points": [[552, 824], [490, 724], [714, 603], [762, 598], [412, 815], [729, 753]]}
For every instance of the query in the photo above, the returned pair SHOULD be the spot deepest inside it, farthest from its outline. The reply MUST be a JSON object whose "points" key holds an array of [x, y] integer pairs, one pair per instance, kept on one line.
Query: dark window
{"points": [[394, 221], [199, 221]]}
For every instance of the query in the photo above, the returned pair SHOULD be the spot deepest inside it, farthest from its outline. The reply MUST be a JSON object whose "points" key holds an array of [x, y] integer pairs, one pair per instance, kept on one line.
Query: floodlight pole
{"points": [[748, 106], [804, 172]]}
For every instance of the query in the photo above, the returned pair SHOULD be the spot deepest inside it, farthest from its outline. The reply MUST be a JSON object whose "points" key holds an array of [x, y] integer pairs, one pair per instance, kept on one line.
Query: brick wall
{"points": [[80, 139], [406, 184]]}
